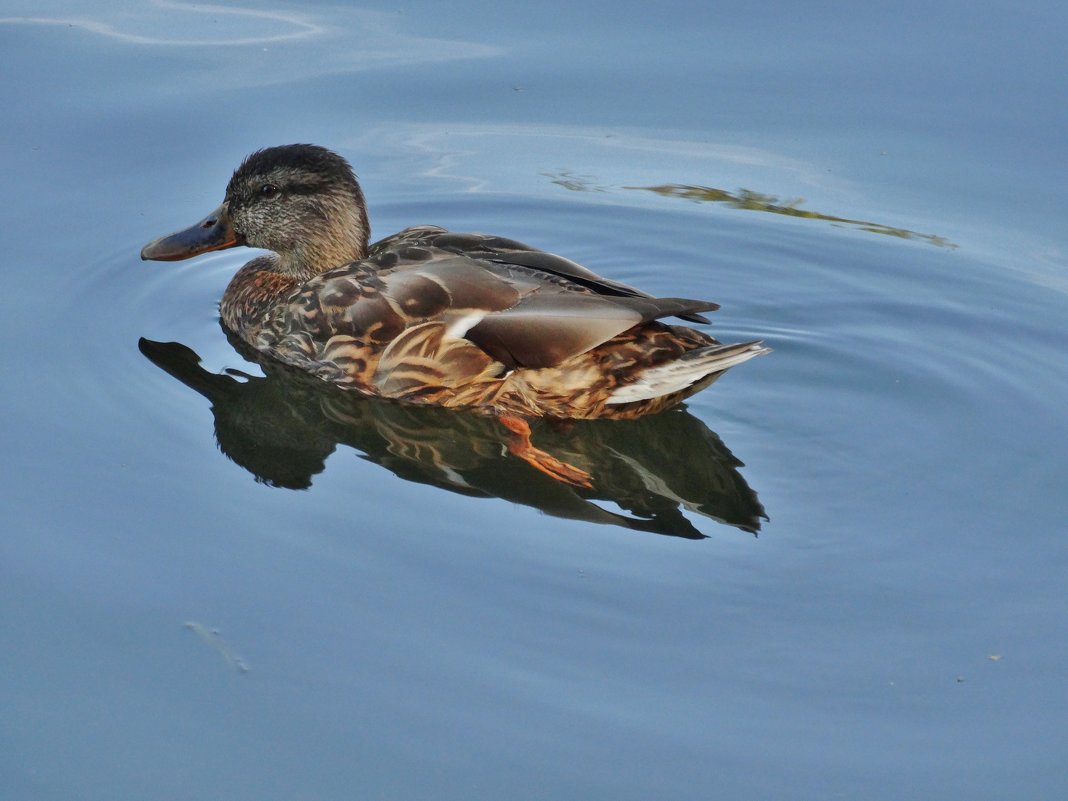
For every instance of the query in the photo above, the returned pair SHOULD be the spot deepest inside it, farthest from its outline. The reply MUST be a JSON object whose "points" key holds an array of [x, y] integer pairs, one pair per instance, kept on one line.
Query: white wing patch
{"points": [[457, 324]]}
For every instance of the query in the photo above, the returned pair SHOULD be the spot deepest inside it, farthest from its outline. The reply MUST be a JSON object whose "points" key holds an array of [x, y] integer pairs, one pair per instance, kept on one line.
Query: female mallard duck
{"points": [[428, 316]]}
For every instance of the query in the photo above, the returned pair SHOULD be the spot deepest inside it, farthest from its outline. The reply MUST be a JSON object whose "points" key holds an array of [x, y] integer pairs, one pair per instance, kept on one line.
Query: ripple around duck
{"points": [[868, 335]]}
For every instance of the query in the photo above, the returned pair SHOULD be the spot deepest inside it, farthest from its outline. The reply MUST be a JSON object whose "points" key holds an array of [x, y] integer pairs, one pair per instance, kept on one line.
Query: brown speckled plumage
{"points": [[427, 316]]}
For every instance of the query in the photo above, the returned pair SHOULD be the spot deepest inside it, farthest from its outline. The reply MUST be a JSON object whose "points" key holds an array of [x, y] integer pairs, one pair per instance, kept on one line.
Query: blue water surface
{"points": [[876, 190]]}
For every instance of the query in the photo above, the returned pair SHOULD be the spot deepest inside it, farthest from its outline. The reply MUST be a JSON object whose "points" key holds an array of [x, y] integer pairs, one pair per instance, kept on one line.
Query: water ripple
{"points": [[237, 39], [301, 25]]}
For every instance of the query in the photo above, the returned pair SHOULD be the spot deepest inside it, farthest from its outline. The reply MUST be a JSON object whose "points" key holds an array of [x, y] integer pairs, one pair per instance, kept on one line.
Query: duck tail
{"points": [[686, 371]]}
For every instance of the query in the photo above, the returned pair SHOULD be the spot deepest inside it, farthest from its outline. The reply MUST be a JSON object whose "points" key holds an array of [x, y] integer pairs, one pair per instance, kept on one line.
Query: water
{"points": [[879, 196]]}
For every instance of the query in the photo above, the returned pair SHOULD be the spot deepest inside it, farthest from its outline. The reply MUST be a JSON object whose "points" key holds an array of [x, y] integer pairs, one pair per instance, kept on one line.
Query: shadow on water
{"points": [[282, 427], [749, 200], [745, 200]]}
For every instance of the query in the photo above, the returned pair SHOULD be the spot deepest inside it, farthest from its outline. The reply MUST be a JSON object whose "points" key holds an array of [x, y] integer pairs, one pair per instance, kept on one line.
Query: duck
{"points": [[428, 316]]}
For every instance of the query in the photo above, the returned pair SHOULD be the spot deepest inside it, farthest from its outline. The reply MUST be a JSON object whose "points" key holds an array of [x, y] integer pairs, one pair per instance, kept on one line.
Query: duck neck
{"points": [[338, 236]]}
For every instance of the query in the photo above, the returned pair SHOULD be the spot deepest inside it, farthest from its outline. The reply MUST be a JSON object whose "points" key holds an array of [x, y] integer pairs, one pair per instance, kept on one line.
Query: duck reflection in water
{"points": [[283, 426]]}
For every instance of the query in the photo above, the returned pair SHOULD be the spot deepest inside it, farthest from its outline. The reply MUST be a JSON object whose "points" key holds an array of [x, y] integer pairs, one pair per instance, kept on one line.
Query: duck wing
{"points": [[520, 317], [503, 251]]}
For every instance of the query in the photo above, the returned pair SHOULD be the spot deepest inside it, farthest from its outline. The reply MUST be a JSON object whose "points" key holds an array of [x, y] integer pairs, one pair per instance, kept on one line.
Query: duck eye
{"points": [[269, 191]]}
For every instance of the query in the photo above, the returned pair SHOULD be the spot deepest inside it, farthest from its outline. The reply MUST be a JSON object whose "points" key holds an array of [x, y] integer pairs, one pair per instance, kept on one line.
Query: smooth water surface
{"points": [[839, 573]]}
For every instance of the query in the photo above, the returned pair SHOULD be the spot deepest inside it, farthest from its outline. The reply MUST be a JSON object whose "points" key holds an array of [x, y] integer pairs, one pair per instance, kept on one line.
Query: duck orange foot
{"points": [[521, 446]]}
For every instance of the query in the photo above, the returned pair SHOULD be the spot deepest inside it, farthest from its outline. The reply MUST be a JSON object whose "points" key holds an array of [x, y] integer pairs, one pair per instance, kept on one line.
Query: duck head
{"points": [[301, 201]]}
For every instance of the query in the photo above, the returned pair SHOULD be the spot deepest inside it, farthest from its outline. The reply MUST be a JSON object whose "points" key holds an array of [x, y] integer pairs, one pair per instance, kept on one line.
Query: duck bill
{"points": [[214, 232]]}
